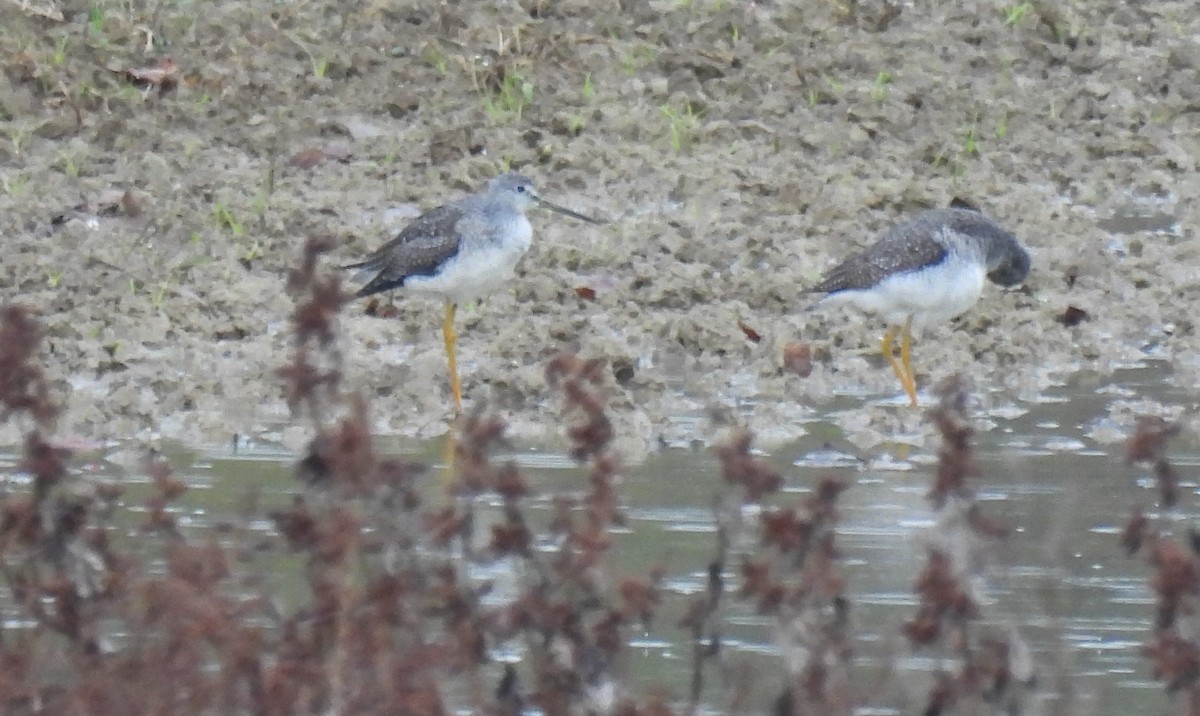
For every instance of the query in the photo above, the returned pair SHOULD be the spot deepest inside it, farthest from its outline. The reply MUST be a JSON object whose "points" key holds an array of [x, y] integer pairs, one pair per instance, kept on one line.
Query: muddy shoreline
{"points": [[736, 150]]}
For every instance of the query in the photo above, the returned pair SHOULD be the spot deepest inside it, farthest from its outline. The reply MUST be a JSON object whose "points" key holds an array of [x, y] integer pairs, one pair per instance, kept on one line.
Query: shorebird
{"points": [[460, 252], [922, 272]]}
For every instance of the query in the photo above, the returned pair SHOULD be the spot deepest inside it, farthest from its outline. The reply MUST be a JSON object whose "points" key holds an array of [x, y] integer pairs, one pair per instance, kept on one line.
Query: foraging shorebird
{"points": [[922, 272], [460, 252]]}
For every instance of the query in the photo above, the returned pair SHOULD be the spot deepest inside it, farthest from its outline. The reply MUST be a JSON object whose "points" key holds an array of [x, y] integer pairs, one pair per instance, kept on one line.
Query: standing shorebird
{"points": [[925, 271], [460, 252]]}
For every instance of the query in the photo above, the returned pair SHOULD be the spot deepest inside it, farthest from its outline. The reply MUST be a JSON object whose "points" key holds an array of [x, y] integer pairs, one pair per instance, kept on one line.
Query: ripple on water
{"points": [[1105, 617], [675, 517], [826, 458], [540, 460], [1064, 444]]}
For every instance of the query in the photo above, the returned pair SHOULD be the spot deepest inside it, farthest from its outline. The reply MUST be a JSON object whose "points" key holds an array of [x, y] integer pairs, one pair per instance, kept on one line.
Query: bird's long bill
{"points": [[566, 211]]}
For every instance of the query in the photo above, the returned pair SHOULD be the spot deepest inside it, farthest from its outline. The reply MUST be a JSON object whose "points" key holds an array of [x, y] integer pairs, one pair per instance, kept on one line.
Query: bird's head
{"points": [[1007, 261], [518, 191], [1010, 266]]}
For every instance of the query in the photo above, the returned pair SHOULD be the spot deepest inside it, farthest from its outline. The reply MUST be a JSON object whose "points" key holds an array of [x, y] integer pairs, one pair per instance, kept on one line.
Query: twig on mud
{"points": [[1148, 444], [795, 577], [700, 619], [1173, 652], [23, 385], [312, 377], [991, 669]]}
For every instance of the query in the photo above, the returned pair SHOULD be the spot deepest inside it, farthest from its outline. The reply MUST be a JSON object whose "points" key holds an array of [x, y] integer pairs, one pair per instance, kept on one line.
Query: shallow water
{"points": [[1061, 578]]}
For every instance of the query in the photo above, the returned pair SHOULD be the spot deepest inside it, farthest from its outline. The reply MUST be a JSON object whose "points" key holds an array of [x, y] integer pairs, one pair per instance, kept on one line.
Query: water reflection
{"points": [[1061, 577]]}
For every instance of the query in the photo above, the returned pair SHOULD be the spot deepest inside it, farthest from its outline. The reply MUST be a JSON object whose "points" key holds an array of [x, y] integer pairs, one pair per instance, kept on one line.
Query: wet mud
{"points": [[150, 210]]}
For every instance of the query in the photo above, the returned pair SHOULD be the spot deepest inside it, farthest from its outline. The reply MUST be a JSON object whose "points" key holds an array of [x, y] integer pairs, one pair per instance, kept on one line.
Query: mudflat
{"points": [[163, 164]]}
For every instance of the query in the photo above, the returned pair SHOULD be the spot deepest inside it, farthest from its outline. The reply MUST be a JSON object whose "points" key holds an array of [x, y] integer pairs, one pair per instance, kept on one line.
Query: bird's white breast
{"points": [[480, 267], [932, 295]]}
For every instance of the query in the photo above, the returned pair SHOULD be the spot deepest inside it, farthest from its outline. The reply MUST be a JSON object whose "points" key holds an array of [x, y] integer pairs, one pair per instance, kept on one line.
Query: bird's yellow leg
{"points": [[886, 346], [451, 339], [910, 376], [449, 458]]}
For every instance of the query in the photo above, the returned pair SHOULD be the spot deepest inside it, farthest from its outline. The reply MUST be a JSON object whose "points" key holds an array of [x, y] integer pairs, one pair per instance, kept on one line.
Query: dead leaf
{"points": [[313, 156], [1073, 316], [751, 334], [106, 202], [378, 309], [132, 203], [586, 293], [115, 202], [163, 75], [797, 358], [308, 158]]}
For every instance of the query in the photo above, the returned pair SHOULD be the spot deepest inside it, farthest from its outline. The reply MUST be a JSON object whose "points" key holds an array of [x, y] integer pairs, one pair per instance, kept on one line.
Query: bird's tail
{"points": [[377, 284], [366, 273]]}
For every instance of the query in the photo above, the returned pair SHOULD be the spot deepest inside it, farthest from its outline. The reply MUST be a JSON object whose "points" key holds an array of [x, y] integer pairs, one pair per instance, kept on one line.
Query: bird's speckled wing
{"points": [[907, 247], [419, 250]]}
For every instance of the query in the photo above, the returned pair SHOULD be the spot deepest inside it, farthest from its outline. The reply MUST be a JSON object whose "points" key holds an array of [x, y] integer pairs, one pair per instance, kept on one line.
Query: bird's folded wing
{"points": [[419, 250], [899, 251]]}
